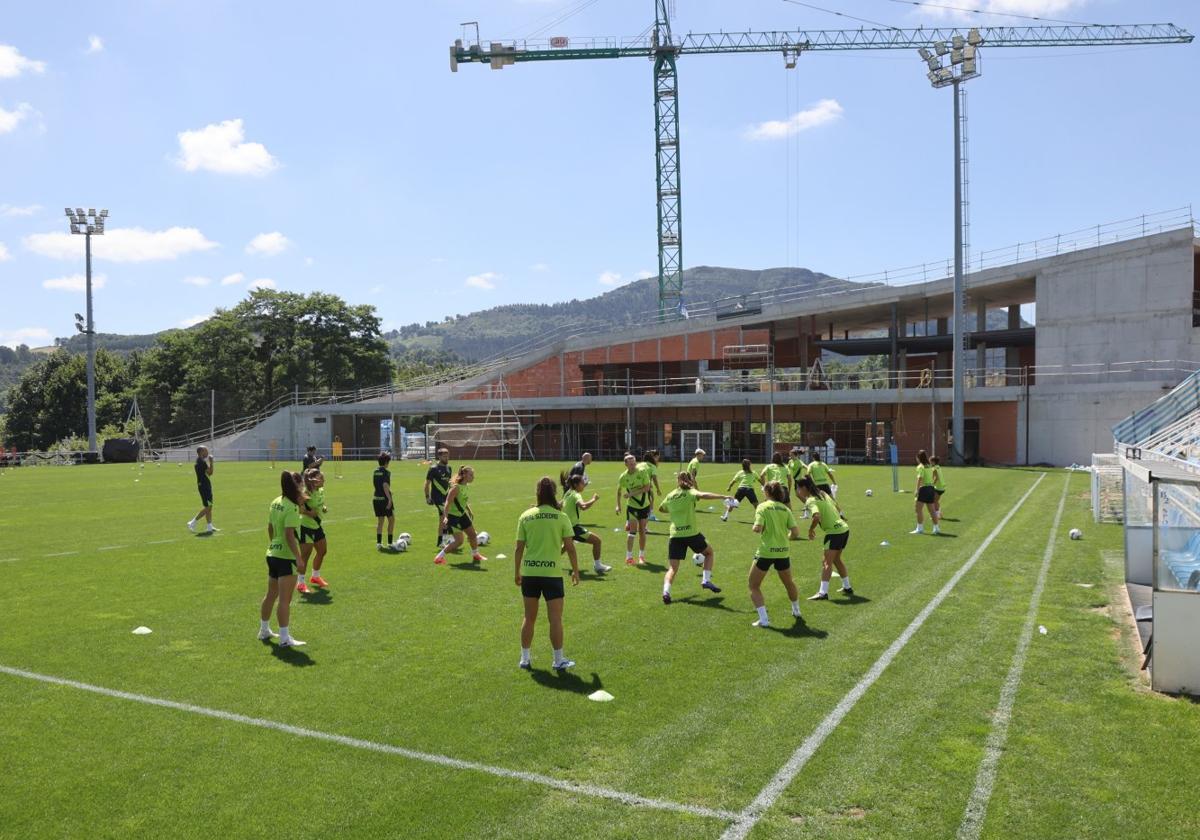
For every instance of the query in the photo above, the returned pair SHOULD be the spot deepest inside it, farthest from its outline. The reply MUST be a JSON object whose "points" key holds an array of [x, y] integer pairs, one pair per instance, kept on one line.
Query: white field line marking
{"points": [[985, 780], [10, 560], [631, 799], [162, 542], [111, 547], [61, 554], [753, 812]]}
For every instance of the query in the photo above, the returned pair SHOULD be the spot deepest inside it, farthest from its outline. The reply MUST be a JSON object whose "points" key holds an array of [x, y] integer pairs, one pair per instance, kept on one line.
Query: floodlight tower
{"points": [[963, 66], [87, 225]]}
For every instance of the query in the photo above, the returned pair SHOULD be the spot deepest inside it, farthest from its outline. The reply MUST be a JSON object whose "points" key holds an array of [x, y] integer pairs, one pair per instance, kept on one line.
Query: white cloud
{"points": [[486, 280], [13, 64], [268, 244], [95, 45], [4, 254], [197, 281], [309, 261], [262, 283], [232, 279], [75, 283], [9, 211], [221, 147], [194, 320], [9, 120], [539, 267], [610, 278], [24, 335], [375, 290], [123, 244], [1031, 8], [825, 111], [646, 273]]}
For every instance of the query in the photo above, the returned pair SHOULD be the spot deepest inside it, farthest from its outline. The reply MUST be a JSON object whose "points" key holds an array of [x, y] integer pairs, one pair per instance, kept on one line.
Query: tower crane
{"points": [[663, 48]]}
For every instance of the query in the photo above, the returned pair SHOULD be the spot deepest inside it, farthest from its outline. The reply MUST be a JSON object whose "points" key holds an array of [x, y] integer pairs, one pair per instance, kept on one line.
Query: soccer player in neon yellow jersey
{"points": [[821, 473], [826, 513], [680, 505], [776, 524], [543, 533], [633, 486], [283, 553], [927, 479], [693, 467]]}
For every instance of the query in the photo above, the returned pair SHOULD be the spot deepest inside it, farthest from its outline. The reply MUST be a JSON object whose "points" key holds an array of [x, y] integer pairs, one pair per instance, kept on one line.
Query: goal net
{"points": [[479, 435]]}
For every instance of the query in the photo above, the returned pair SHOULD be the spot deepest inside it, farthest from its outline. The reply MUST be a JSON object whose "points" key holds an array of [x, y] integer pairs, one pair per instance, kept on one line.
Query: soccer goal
{"points": [[692, 439], [491, 433]]}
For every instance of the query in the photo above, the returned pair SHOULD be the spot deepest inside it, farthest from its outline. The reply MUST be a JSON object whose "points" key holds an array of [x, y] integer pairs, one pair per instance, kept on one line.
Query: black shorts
{"points": [[632, 512], [780, 564], [826, 489], [458, 523], [836, 542], [581, 534], [440, 504], [382, 507], [746, 493], [206, 495], [678, 547], [926, 495], [312, 535], [938, 493], [278, 567], [550, 588]]}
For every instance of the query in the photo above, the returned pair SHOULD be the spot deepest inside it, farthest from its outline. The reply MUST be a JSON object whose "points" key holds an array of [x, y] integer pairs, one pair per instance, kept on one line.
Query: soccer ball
{"points": [[698, 559], [407, 537], [1076, 534], [734, 503], [870, 492], [446, 540], [483, 538], [400, 544]]}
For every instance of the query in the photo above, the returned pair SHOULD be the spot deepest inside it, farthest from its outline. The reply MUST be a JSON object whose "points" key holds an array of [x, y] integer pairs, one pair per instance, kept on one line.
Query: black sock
{"points": [[378, 538], [389, 536]]}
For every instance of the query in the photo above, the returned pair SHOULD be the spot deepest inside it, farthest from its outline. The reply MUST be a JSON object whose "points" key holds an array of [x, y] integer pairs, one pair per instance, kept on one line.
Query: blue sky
{"points": [[312, 146]]}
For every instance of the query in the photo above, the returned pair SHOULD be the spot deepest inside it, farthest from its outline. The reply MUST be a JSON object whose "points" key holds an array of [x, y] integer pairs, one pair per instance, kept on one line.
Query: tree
{"points": [[49, 402]]}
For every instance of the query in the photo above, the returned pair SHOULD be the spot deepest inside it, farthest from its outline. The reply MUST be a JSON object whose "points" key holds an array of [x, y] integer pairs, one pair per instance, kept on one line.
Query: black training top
{"points": [[381, 477], [578, 469], [310, 461], [439, 482], [202, 471]]}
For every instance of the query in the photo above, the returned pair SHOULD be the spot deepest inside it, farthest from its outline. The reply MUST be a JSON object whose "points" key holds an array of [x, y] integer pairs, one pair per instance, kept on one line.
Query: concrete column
{"points": [[1012, 355], [981, 326], [894, 353]]}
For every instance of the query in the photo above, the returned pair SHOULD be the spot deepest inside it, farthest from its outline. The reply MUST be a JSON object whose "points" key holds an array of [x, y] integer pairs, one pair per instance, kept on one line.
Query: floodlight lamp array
{"points": [[963, 63]]}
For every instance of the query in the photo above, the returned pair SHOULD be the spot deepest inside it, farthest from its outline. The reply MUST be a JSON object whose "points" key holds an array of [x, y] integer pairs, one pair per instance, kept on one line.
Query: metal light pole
{"points": [[86, 225], [964, 65]]}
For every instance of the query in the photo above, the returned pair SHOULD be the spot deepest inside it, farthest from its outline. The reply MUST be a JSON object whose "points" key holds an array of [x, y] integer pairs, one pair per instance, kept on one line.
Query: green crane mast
{"points": [[664, 48]]}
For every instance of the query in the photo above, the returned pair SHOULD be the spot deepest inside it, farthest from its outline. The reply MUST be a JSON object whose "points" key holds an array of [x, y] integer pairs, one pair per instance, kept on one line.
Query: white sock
{"points": [[920, 527], [666, 589], [284, 634], [707, 576], [192, 521], [264, 626], [525, 657], [442, 553], [824, 587], [300, 578], [210, 527], [641, 554], [628, 554], [846, 583], [762, 615], [558, 655], [796, 608]]}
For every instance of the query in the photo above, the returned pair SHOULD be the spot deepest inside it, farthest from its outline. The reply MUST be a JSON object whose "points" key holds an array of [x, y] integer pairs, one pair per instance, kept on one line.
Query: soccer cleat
{"points": [[917, 531], [710, 586], [936, 529], [267, 635], [192, 526], [440, 560], [302, 587], [290, 642], [666, 597], [379, 546], [601, 568], [725, 516], [629, 561], [820, 596], [564, 665], [760, 623], [525, 665], [317, 580], [641, 561], [477, 557], [212, 530], [846, 590]]}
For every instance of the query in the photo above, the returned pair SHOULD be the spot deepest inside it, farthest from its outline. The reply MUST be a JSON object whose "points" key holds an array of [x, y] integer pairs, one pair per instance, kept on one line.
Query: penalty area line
{"points": [[767, 797], [985, 780], [625, 798]]}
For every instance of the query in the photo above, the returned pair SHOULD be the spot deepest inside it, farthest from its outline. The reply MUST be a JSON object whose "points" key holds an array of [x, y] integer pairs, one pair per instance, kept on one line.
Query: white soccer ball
{"points": [[483, 537], [735, 503], [870, 492], [698, 559], [446, 540], [407, 537], [1076, 534], [400, 545]]}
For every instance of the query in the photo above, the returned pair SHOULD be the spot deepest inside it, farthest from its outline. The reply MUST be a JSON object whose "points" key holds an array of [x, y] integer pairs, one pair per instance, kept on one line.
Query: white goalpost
{"points": [[502, 426]]}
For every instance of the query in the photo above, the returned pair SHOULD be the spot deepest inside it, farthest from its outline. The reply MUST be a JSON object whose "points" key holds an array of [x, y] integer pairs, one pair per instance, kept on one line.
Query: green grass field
{"points": [[707, 708]]}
